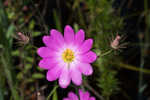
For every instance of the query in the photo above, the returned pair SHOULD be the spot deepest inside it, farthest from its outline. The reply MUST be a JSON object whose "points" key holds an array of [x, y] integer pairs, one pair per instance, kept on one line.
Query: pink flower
{"points": [[66, 58], [82, 96]]}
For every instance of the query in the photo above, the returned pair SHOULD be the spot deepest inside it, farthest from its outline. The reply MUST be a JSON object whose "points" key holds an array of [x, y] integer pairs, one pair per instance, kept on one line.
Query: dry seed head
{"points": [[115, 44], [24, 39]]}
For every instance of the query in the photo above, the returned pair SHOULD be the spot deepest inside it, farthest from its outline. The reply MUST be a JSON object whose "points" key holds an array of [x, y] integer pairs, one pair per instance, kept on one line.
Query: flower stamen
{"points": [[68, 56]]}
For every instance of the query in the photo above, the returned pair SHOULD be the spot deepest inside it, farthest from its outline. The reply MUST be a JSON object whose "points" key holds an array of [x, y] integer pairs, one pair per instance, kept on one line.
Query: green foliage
{"points": [[6, 32], [8, 69], [96, 17], [108, 83], [101, 25], [57, 21], [37, 76], [104, 25]]}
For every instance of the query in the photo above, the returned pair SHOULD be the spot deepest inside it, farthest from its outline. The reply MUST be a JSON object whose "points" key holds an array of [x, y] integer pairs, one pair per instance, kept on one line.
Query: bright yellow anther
{"points": [[68, 56]]}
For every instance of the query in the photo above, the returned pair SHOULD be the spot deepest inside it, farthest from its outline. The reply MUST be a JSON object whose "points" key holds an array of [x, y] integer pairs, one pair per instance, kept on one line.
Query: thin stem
{"points": [[92, 90], [9, 78], [131, 67], [143, 49], [106, 53], [52, 92], [140, 84]]}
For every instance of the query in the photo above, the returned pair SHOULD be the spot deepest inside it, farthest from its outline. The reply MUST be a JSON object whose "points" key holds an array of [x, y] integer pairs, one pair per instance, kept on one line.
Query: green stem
{"points": [[133, 68], [106, 53], [9, 78], [93, 90], [52, 92]]}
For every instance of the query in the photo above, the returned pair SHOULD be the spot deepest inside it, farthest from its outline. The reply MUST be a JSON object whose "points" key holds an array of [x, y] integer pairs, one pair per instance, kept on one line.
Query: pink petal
{"points": [[92, 98], [76, 76], [64, 79], [50, 42], [86, 46], [88, 57], [69, 34], [84, 95], [80, 92], [47, 63], [53, 73], [57, 36], [72, 96], [85, 68], [79, 37], [45, 52], [66, 99], [47, 40]]}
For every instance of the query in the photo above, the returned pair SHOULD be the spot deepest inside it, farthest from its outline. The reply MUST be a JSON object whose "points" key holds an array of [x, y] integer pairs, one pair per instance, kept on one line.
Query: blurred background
{"points": [[121, 74]]}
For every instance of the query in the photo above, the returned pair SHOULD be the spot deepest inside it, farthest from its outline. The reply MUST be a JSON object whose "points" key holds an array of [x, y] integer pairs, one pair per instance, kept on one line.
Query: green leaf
{"points": [[36, 34], [31, 25], [20, 75], [27, 68], [15, 53], [10, 31], [37, 76], [76, 27], [29, 59], [57, 20], [1, 46], [11, 15], [29, 80]]}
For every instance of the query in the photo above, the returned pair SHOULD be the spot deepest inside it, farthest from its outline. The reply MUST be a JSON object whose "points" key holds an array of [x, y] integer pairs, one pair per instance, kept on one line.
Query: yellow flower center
{"points": [[68, 55]]}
